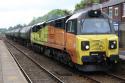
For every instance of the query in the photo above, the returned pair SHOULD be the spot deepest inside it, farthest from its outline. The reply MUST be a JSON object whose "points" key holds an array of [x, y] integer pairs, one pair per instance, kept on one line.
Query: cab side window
{"points": [[34, 29], [72, 26]]}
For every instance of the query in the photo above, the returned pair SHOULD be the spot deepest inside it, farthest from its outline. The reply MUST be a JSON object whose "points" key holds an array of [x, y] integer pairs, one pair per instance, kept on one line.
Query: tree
{"points": [[85, 3], [80, 5], [17, 26], [54, 14]]}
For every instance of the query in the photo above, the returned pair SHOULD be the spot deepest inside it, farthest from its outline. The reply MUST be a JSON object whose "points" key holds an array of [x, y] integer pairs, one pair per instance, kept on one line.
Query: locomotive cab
{"points": [[91, 39]]}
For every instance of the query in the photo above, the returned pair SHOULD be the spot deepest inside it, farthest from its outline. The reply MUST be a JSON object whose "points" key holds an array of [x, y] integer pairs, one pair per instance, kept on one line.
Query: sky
{"points": [[13, 12]]}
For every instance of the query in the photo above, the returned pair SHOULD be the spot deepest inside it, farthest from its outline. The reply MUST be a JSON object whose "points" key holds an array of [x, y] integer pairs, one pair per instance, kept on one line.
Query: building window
{"points": [[116, 11], [110, 12], [123, 9]]}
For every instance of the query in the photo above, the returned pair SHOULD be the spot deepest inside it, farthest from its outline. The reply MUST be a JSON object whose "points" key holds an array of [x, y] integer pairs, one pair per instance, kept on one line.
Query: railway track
{"points": [[116, 76], [20, 67], [94, 79], [106, 78], [83, 77], [58, 80]]}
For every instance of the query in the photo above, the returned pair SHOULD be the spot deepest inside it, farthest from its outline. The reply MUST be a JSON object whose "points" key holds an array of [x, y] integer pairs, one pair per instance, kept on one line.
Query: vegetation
{"points": [[17, 26], [54, 14], [59, 13], [85, 3]]}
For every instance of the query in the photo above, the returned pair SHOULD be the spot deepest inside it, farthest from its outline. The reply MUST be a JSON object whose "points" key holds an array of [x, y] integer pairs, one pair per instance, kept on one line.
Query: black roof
{"points": [[58, 18]]}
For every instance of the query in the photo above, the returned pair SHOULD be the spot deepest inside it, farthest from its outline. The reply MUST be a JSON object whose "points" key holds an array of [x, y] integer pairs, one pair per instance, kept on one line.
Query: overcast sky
{"points": [[13, 12]]}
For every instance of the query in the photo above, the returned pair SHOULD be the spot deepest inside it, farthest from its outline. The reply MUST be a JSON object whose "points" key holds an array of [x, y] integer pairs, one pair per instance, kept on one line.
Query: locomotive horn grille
{"points": [[97, 45]]}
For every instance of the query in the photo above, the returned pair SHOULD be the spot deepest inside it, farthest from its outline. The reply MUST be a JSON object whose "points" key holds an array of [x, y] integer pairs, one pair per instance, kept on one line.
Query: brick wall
{"points": [[119, 16], [105, 10], [123, 17]]}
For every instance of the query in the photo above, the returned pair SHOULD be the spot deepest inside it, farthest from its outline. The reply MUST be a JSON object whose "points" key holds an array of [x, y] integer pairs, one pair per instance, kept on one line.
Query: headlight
{"points": [[85, 45], [112, 44]]}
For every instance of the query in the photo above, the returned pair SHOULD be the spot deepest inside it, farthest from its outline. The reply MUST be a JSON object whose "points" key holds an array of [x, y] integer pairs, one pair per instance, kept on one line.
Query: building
{"points": [[103, 1], [116, 11]]}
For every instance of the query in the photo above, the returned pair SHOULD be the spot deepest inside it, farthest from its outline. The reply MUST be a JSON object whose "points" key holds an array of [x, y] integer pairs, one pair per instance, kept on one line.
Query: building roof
{"points": [[112, 2], [105, 4]]}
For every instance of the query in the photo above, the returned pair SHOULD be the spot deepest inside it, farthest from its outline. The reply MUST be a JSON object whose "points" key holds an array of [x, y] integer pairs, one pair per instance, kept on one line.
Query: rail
{"points": [[41, 67]]}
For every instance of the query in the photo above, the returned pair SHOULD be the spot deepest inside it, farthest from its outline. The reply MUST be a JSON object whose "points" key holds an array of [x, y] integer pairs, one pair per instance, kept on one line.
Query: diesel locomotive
{"points": [[85, 40]]}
